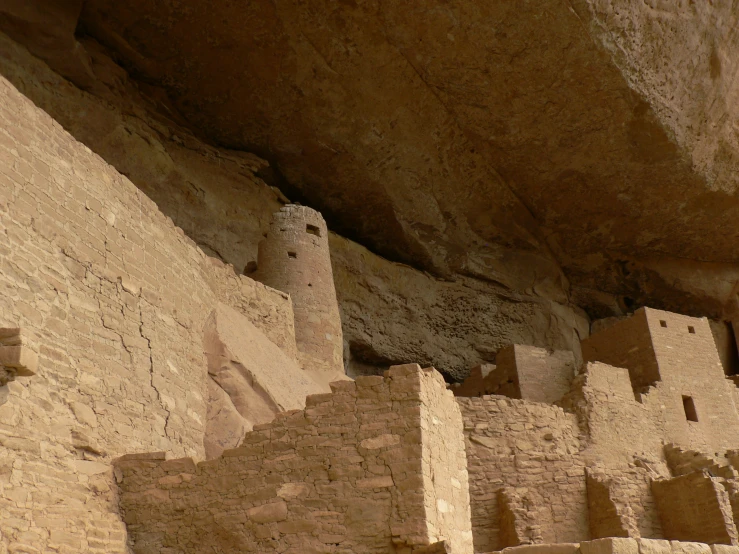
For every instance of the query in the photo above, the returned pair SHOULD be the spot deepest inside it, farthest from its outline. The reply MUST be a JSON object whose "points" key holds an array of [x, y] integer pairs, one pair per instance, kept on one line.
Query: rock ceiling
{"points": [[528, 142]]}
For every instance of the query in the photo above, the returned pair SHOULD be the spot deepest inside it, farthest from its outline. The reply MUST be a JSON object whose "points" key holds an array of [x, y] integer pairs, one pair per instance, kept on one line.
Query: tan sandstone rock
{"points": [[558, 548], [251, 379], [683, 547], [654, 546], [610, 546]]}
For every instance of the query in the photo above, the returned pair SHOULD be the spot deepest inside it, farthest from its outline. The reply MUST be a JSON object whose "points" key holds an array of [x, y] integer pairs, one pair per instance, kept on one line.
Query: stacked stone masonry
{"points": [[368, 468], [294, 257], [525, 372], [641, 450], [112, 297]]}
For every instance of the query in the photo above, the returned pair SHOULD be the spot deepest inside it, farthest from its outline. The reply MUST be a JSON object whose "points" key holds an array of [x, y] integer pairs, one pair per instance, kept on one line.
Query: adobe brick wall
{"points": [[359, 470], [114, 298], [533, 449]]}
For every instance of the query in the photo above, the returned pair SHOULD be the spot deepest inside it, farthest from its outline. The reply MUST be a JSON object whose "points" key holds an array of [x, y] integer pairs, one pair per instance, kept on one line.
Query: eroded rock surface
{"points": [[391, 312], [250, 380], [519, 142]]}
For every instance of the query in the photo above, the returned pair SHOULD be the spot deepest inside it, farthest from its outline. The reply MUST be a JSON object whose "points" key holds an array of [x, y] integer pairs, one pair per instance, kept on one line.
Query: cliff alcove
{"points": [[491, 174]]}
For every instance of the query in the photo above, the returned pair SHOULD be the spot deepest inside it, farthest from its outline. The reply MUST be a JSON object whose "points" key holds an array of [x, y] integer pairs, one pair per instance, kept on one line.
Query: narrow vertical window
{"points": [[689, 406]]}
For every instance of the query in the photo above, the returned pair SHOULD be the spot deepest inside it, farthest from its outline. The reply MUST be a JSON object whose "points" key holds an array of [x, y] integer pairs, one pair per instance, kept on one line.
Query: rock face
{"points": [[391, 313], [250, 380], [555, 154], [528, 143]]}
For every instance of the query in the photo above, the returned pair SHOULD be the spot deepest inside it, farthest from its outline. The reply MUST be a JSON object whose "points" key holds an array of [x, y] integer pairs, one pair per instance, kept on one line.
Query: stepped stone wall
{"points": [[696, 507], [674, 369], [113, 298], [364, 469]]}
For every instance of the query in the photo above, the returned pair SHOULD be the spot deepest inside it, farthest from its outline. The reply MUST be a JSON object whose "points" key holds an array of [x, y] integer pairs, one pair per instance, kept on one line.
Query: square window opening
{"points": [[312, 230], [689, 406], [292, 254], [663, 323], [691, 329]]}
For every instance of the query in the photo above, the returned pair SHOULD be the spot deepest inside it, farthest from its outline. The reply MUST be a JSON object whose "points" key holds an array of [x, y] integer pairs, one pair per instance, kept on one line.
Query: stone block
{"points": [[557, 548], [10, 336], [724, 549], [375, 482], [380, 441], [654, 546], [610, 546], [268, 513], [21, 358], [683, 547]]}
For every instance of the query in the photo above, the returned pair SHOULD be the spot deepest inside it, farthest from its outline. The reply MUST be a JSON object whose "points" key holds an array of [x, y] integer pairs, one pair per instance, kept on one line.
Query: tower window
{"points": [[292, 254], [691, 329], [313, 230], [689, 406], [662, 323]]}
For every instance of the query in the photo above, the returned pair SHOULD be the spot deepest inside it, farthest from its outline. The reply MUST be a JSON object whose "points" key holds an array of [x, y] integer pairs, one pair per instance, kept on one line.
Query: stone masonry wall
{"points": [[539, 375], [113, 297], [695, 507], [626, 343], [343, 476], [444, 468], [295, 258], [691, 368], [618, 426], [531, 449], [673, 363]]}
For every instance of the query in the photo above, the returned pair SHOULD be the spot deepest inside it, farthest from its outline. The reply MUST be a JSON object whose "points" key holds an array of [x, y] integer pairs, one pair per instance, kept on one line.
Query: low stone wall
{"points": [[364, 469]]}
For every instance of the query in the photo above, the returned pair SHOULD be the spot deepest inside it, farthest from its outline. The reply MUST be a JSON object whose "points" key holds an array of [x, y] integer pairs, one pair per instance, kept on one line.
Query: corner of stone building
{"points": [[445, 476]]}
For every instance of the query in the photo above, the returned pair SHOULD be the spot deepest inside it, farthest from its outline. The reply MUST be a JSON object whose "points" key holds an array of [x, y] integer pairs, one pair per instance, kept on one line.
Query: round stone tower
{"points": [[294, 258]]}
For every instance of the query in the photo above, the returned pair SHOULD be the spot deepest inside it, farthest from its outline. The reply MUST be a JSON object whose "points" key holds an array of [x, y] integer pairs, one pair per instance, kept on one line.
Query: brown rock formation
{"points": [[391, 312], [516, 142]]}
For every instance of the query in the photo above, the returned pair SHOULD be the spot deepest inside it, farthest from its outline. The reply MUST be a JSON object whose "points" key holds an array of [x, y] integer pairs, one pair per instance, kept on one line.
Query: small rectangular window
{"points": [[313, 230], [292, 254], [663, 323], [691, 329], [689, 406]]}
